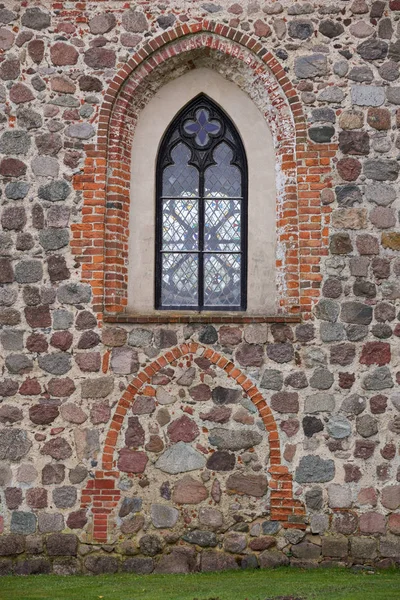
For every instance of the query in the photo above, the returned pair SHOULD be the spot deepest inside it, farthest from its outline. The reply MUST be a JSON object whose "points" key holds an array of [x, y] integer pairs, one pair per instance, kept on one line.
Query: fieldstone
{"points": [[361, 74], [349, 169], [28, 271], [18, 364], [226, 439], [57, 448], [63, 54], [331, 29], [132, 461], [53, 238], [23, 523], [335, 547], [339, 427], [364, 449], [50, 522], [163, 516], [354, 142], [74, 293], [140, 566], [342, 354], [15, 142], [290, 427], [189, 491], [313, 65], [43, 414], [321, 379], [182, 429], [53, 473], [10, 414], [319, 523], [80, 131], [98, 564], [17, 190], [314, 469], [55, 191], [78, 474], [379, 379], [64, 497], [331, 332], [211, 517], [331, 94], [100, 58], [13, 497], [319, 403], [13, 218], [180, 458], [306, 550], [100, 387], [102, 23], [311, 425], [272, 380], [356, 312], [35, 18], [372, 523], [131, 505]]}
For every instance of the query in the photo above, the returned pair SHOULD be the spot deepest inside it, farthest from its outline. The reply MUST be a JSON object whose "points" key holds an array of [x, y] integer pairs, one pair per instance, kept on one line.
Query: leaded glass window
{"points": [[201, 224]]}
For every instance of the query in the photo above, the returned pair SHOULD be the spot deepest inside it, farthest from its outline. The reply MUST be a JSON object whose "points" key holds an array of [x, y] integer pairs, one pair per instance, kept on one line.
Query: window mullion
{"points": [[201, 239]]}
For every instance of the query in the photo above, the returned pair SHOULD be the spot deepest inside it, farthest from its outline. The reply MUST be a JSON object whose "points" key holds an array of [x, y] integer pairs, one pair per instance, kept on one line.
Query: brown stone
{"points": [[38, 316], [262, 543], [218, 414], [189, 491], [375, 353], [12, 167], [30, 387], [61, 340], [114, 336], [43, 414], [285, 402], [36, 50], [183, 429], [379, 118], [132, 461], [20, 93], [61, 387], [62, 84], [77, 519], [143, 405], [250, 485], [290, 427], [229, 336], [155, 444], [36, 497], [378, 404], [73, 413], [134, 435], [221, 460], [391, 240], [100, 412], [63, 54], [200, 393], [351, 473], [349, 169], [250, 355], [57, 448]]}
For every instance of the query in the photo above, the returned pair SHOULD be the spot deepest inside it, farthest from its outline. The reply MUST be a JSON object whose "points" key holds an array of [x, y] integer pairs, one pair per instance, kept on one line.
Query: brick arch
{"points": [[100, 241], [101, 493]]}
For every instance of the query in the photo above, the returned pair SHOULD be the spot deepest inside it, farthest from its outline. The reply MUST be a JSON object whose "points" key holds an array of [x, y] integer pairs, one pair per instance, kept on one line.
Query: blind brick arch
{"points": [[100, 242], [101, 494]]}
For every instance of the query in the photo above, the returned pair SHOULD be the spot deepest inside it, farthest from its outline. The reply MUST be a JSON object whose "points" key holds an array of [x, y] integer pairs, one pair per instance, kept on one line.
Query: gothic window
{"points": [[201, 212]]}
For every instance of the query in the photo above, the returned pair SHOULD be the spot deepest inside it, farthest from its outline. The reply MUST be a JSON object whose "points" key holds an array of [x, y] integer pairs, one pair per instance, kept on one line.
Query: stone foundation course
{"points": [[177, 442]]}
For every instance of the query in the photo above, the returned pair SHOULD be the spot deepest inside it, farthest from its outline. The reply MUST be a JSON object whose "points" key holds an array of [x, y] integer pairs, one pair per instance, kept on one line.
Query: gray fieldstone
{"points": [[353, 405], [366, 426], [367, 95], [339, 427], [381, 170], [35, 18], [226, 439], [313, 469], [28, 271], [56, 191], [100, 387], [319, 403], [18, 364], [23, 522], [331, 94], [17, 190], [313, 65], [327, 310], [15, 142], [379, 379], [58, 363], [28, 118], [45, 166], [180, 458], [102, 23], [124, 360], [53, 238], [321, 379], [74, 293], [163, 516], [356, 313], [272, 380], [331, 332], [80, 131], [140, 338], [62, 319], [361, 74], [205, 539], [64, 497], [50, 522]]}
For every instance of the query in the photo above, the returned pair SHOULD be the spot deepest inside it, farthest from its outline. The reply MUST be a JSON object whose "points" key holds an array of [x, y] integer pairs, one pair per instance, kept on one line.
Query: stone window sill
{"points": [[165, 317]]}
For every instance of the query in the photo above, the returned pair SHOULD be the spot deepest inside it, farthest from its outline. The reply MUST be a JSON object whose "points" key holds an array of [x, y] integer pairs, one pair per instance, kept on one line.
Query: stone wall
{"points": [[179, 443]]}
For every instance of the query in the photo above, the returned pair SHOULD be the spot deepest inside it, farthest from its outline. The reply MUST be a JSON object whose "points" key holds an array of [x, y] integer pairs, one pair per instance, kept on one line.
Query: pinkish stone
{"points": [[183, 429], [73, 413], [61, 387], [230, 336], [394, 523], [367, 496], [261, 29], [20, 93], [143, 405], [62, 54], [100, 412], [218, 414], [62, 84], [372, 523], [250, 485], [36, 50], [189, 491], [243, 416], [390, 497], [200, 393], [131, 461], [134, 435], [216, 491], [375, 353], [290, 427], [30, 387]]}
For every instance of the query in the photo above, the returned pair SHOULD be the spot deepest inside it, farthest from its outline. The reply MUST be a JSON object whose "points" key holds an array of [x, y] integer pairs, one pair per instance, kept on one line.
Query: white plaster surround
{"points": [[153, 121]]}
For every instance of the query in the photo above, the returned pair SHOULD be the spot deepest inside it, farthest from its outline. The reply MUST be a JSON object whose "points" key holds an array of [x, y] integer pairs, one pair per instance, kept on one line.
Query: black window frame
{"points": [[201, 159]]}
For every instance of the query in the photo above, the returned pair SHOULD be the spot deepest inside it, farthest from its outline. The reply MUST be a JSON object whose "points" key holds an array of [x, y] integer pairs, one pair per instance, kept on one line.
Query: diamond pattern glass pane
{"points": [[202, 127], [179, 280], [180, 229], [222, 225], [222, 280], [222, 180], [180, 179]]}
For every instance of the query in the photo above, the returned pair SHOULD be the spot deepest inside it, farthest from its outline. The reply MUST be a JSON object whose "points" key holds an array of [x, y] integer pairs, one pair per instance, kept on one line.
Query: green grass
{"points": [[318, 584]]}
